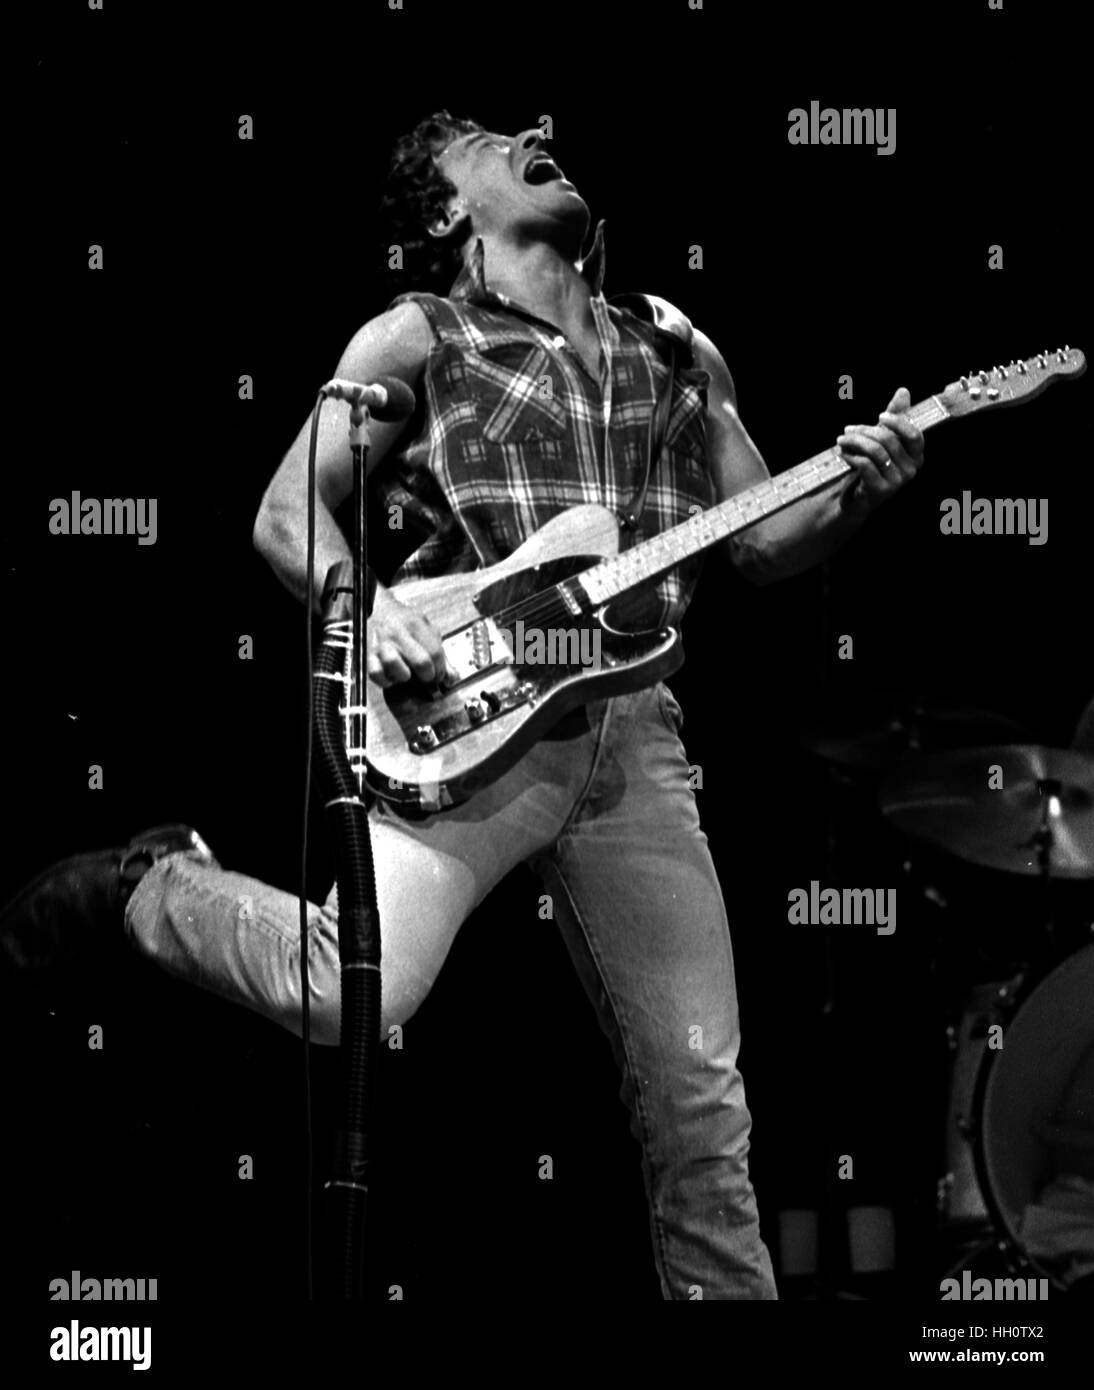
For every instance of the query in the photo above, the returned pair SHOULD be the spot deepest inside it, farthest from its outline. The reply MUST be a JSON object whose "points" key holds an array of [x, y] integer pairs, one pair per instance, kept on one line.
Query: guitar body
{"points": [[427, 747]]}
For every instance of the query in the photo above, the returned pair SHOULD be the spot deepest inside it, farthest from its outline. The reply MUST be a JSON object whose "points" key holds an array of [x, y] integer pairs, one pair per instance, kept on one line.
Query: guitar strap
{"points": [[631, 514], [664, 316]]}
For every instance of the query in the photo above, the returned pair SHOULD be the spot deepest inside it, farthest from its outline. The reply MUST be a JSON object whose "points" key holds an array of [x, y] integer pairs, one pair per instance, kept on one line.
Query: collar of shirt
{"points": [[470, 287]]}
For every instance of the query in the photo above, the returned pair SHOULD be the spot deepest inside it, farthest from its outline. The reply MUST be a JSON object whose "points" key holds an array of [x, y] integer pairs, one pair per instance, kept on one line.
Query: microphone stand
{"points": [[359, 444], [340, 731]]}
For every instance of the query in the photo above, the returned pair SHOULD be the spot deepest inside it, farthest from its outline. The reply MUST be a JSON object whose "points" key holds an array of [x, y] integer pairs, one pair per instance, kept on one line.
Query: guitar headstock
{"points": [[1013, 384]]}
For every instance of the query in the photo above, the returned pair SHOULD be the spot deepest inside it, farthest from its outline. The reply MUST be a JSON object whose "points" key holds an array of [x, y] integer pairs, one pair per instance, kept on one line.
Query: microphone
{"points": [[386, 398]]}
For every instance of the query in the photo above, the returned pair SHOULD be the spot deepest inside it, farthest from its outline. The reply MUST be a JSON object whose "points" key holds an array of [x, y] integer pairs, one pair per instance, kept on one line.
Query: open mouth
{"points": [[541, 169]]}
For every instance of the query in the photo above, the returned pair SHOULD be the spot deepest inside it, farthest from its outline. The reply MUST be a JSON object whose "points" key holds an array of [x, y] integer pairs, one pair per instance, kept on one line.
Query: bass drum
{"points": [[1035, 1126]]}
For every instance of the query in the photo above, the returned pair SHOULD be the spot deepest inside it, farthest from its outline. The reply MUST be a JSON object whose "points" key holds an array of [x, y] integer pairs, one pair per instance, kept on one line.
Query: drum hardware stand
{"points": [[1043, 840]]}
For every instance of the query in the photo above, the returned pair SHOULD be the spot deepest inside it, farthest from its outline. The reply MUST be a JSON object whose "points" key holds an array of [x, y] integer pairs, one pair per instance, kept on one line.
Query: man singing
{"points": [[601, 808]]}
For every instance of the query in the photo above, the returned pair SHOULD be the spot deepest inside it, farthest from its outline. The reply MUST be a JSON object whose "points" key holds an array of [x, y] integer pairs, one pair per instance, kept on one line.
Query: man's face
{"points": [[510, 184]]}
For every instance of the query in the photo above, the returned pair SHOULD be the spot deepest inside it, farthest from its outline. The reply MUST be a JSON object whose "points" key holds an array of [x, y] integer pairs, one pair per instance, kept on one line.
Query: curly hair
{"points": [[415, 194]]}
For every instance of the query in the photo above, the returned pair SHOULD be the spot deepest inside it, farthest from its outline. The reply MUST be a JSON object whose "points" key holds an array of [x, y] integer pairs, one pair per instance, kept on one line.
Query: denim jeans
{"points": [[608, 820]]}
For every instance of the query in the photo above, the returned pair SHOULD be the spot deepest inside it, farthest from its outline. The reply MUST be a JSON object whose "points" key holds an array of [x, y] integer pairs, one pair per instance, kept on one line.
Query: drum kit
{"points": [[1016, 1161]]}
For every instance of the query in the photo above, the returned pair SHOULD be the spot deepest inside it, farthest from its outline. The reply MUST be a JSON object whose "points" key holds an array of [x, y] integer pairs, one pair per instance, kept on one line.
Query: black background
{"points": [[225, 257]]}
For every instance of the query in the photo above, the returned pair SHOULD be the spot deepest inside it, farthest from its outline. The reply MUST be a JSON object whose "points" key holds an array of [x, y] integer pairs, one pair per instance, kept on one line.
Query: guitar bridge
{"points": [[477, 647]]}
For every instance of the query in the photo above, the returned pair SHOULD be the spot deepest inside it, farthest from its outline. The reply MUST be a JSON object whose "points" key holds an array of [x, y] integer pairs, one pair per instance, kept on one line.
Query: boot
{"points": [[73, 913]]}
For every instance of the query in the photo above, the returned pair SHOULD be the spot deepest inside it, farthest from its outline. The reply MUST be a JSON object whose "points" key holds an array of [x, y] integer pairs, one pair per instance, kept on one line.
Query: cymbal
{"points": [[877, 732], [947, 800]]}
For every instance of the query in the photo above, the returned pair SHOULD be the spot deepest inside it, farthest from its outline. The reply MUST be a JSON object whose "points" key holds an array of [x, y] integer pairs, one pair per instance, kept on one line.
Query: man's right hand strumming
{"points": [[401, 643]]}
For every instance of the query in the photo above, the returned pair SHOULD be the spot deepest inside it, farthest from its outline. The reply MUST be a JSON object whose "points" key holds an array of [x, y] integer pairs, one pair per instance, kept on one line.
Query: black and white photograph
{"points": [[550, 692]]}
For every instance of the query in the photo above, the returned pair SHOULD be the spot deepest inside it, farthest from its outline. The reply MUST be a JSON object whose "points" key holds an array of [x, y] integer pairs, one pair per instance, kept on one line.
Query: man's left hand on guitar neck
{"points": [[885, 456]]}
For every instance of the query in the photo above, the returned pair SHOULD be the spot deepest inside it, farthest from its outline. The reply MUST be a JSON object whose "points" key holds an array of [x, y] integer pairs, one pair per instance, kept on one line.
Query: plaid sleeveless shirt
{"points": [[511, 429]]}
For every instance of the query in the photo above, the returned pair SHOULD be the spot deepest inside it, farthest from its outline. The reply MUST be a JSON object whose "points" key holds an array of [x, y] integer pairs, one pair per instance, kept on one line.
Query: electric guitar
{"points": [[528, 640]]}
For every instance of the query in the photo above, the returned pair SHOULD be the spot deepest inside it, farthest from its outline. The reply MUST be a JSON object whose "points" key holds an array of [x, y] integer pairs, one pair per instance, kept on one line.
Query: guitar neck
{"points": [[652, 557]]}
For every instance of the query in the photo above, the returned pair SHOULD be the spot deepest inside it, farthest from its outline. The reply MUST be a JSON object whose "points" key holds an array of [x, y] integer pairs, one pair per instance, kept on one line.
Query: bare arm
{"points": [[395, 343], [884, 457], [793, 539]]}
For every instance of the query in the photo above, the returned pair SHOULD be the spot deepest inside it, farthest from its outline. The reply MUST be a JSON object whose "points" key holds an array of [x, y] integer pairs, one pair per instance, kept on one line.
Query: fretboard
{"points": [[652, 557]]}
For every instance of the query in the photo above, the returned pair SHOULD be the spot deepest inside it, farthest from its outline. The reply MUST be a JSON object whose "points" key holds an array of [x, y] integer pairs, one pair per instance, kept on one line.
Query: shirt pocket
{"points": [[516, 391]]}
